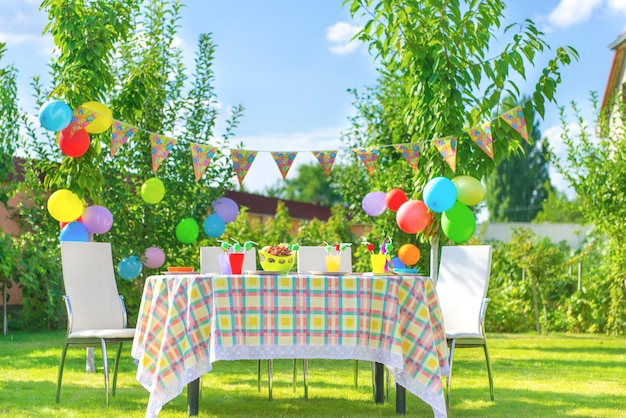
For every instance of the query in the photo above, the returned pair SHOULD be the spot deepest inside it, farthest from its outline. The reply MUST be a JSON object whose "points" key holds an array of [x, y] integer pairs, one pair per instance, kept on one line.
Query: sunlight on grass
{"points": [[534, 376]]}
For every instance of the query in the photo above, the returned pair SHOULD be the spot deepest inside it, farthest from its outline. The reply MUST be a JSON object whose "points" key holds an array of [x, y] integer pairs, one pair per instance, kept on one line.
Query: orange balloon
{"points": [[409, 254]]}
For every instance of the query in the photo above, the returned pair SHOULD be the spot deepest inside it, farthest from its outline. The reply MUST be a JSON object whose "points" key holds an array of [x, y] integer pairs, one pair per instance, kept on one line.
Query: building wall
{"points": [[573, 234]]}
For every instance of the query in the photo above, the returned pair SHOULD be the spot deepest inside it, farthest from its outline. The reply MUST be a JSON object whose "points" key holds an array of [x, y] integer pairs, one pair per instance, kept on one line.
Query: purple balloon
{"points": [[97, 219], [153, 258], [374, 203], [226, 208]]}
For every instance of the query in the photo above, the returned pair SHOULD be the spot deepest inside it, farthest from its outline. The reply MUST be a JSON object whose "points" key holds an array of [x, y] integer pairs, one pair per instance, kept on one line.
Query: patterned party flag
{"points": [[368, 156], [83, 117], [161, 147], [481, 135], [242, 161], [515, 118], [284, 161], [410, 152], [326, 159], [120, 133], [201, 156], [447, 149]]}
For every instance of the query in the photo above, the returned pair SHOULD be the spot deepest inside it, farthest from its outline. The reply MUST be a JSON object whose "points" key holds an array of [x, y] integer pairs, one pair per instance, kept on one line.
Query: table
{"points": [[187, 322]]}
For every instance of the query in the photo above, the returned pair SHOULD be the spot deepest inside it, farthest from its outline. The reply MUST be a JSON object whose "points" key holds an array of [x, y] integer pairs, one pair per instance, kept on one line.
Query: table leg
{"points": [[193, 395], [379, 383], [400, 400]]}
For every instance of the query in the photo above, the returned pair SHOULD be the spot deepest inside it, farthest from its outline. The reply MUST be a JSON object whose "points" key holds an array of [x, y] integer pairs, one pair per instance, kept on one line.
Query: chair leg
{"points": [[305, 371], [258, 375], [450, 360], [489, 371], [106, 369], [295, 375], [117, 363], [60, 376], [270, 377], [356, 373]]}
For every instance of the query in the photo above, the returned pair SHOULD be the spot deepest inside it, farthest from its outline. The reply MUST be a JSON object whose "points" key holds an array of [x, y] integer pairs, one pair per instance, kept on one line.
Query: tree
{"points": [[558, 208], [311, 185], [595, 169], [519, 185], [436, 82]]}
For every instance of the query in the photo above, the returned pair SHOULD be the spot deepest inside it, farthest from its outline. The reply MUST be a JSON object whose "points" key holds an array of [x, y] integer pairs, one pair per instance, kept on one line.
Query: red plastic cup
{"points": [[236, 262]]}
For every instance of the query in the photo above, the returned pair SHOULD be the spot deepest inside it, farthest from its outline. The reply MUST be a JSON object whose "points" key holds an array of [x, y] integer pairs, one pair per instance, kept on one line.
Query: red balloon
{"points": [[394, 199], [413, 216], [62, 224], [73, 141]]}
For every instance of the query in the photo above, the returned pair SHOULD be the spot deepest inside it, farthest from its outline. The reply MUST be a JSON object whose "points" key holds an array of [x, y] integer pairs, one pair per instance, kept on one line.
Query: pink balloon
{"points": [[413, 216], [97, 219], [153, 258]]}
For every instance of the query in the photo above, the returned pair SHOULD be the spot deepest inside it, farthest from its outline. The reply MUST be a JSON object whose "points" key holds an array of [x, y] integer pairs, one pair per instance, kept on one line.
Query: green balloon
{"points": [[458, 223], [153, 190], [187, 230]]}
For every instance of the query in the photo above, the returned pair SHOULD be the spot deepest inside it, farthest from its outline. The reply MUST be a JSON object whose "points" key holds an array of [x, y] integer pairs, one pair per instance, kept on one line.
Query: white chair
{"points": [[314, 259], [209, 260], [462, 289], [95, 311]]}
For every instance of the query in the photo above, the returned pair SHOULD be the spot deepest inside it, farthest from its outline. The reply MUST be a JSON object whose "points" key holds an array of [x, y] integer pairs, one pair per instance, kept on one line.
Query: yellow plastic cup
{"points": [[378, 262], [332, 262]]}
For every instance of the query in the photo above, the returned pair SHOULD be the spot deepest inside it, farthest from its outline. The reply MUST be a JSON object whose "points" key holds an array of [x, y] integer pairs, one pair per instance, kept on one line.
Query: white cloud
{"points": [[617, 5], [340, 35], [571, 12], [553, 134]]}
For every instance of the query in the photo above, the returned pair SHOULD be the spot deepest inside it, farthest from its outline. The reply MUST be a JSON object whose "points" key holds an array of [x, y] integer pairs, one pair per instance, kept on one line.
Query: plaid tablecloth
{"points": [[186, 322]]}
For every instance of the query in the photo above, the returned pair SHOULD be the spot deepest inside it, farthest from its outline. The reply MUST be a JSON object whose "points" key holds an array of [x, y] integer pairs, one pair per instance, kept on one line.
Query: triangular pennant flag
{"points": [[284, 161], [447, 149], [201, 156], [481, 135], [515, 118], [161, 147], [411, 153], [83, 117], [242, 161], [120, 133], [368, 157], [326, 159]]}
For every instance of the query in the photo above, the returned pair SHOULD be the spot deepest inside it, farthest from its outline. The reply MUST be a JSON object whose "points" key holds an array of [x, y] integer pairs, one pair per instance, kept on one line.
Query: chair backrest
{"points": [[314, 259], [462, 286], [89, 281], [209, 261]]}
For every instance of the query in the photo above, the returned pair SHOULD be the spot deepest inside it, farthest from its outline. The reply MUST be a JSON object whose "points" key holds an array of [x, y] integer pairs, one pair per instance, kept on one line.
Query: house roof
{"points": [[264, 205], [617, 67]]}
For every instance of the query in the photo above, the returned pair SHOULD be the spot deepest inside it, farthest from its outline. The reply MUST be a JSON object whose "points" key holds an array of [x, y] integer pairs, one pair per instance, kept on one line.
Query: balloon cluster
{"points": [[73, 138], [451, 198]]}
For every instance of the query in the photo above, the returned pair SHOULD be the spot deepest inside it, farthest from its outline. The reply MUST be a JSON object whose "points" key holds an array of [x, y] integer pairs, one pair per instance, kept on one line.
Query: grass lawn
{"points": [[547, 376]]}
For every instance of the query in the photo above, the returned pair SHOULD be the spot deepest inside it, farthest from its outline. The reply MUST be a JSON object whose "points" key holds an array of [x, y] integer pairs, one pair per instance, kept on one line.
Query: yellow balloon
{"points": [[102, 120], [469, 190], [65, 206]]}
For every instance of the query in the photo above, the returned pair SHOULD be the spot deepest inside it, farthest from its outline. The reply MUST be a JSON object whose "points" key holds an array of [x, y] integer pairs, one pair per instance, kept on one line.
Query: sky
{"points": [[290, 64]]}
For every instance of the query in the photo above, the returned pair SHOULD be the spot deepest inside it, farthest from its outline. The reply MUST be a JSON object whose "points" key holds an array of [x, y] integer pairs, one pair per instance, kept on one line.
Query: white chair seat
{"points": [[452, 333], [104, 333]]}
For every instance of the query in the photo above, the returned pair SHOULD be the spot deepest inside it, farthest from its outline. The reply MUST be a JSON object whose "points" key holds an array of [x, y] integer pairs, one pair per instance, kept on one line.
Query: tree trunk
{"points": [[535, 304]]}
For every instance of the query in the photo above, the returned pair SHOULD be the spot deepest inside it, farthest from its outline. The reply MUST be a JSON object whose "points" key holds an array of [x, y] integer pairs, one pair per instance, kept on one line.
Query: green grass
{"points": [[549, 376]]}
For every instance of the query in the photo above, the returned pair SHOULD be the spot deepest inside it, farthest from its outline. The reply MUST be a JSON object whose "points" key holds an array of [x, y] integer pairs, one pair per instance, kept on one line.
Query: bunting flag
{"points": [[242, 161], [201, 156], [326, 159], [515, 118], [410, 152], [81, 118], [120, 133], [447, 149], [161, 147], [481, 135], [368, 156], [284, 161]]}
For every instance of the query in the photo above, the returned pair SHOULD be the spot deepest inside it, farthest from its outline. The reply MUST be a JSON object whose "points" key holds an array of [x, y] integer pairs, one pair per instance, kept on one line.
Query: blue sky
{"points": [[290, 63]]}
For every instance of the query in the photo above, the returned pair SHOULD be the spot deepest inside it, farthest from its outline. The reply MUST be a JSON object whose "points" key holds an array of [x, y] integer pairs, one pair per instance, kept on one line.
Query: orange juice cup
{"points": [[332, 262], [378, 262]]}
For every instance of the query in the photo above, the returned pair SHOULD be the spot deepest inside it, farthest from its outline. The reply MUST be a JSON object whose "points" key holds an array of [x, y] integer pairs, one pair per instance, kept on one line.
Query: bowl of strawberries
{"points": [[278, 257]]}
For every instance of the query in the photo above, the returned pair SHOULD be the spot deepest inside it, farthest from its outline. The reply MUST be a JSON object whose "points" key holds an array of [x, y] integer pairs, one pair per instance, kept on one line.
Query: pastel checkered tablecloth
{"points": [[186, 322]]}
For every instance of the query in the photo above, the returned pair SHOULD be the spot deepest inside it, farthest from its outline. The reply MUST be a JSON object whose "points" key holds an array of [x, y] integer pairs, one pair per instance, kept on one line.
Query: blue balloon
{"points": [[130, 267], [440, 194], [214, 225], [397, 264], [74, 231], [55, 115]]}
